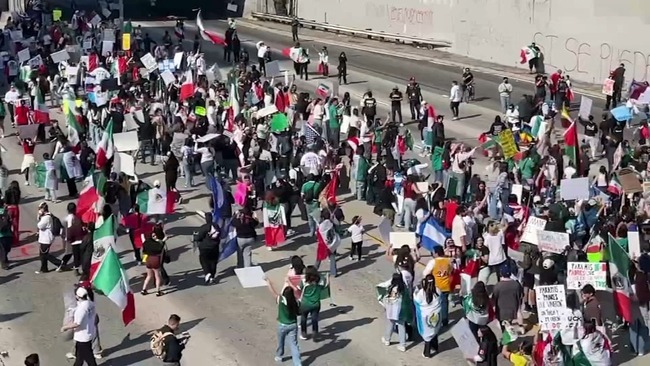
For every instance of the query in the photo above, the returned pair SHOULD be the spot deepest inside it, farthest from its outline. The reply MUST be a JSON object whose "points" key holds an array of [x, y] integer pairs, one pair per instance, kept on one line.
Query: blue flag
{"points": [[217, 198], [229, 243]]}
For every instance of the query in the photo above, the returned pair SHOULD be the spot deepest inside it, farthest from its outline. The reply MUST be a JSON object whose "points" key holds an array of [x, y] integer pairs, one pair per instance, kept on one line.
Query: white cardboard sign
{"points": [[552, 242], [533, 225], [582, 273], [551, 306]]}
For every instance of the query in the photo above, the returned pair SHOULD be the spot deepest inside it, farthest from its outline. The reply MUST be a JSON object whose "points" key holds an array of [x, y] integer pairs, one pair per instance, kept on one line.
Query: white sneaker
{"points": [[98, 356], [401, 348], [270, 249], [290, 232], [70, 356], [385, 342], [207, 278], [26, 183]]}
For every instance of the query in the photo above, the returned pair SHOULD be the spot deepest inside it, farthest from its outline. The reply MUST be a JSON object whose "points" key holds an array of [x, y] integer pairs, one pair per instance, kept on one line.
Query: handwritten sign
{"points": [[36, 62], [56, 14], [552, 242], [551, 306], [608, 87], [507, 142], [583, 273], [533, 225], [126, 41], [149, 62], [585, 107]]}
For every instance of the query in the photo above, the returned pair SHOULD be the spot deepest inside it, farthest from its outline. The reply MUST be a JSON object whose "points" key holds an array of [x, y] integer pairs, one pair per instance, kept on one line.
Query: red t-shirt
{"points": [[28, 149], [450, 213]]}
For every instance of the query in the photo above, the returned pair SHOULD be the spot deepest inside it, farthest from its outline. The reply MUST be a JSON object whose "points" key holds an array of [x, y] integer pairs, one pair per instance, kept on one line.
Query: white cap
{"points": [[81, 292]]}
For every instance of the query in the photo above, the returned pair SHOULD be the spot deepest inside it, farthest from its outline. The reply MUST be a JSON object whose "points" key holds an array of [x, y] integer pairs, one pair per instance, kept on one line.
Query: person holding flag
{"points": [[427, 311]]}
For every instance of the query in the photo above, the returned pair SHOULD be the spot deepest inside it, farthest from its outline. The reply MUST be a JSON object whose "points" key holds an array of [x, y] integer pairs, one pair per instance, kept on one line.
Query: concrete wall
{"points": [[586, 38]]}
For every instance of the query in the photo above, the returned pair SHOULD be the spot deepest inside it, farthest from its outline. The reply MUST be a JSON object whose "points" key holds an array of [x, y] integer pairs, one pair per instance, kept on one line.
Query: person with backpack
{"points": [[47, 232], [6, 235], [74, 234], [208, 239], [166, 345], [310, 192]]}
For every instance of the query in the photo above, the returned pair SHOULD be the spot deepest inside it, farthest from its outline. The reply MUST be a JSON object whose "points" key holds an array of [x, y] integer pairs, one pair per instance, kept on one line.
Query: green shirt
{"points": [[284, 315], [314, 188], [310, 296], [334, 118], [528, 168]]}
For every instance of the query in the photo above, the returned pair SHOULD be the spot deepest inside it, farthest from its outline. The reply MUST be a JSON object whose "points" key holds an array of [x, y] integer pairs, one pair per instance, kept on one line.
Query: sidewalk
{"points": [[439, 57]]}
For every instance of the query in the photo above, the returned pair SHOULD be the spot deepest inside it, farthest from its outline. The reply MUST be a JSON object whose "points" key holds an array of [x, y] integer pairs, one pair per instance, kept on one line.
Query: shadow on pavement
{"points": [[12, 316]]}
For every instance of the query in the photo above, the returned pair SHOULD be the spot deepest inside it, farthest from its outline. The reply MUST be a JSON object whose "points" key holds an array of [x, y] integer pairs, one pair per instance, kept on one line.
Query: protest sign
{"points": [[107, 47], [582, 273], [633, 244], [250, 277], [129, 122], [56, 15], [88, 45], [125, 163], [166, 65], [551, 241], [629, 180], [585, 107], [168, 77], [178, 59], [507, 142], [149, 62], [200, 111], [463, 336], [23, 55], [533, 225], [126, 141], [518, 190], [608, 87], [144, 73], [267, 111], [574, 189], [232, 7], [36, 62], [551, 306], [16, 35], [108, 35], [399, 238], [96, 20], [106, 13], [273, 69], [60, 56], [126, 41]]}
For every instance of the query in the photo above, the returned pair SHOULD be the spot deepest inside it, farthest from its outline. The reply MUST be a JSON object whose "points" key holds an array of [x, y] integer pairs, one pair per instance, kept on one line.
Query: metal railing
{"points": [[367, 33]]}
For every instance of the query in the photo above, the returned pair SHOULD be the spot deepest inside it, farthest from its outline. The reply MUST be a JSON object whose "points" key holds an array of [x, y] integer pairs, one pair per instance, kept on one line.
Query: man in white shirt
{"points": [[455, 96], [11, 98], [262, 51], [505, 89], [45, 238], [459, 229], [83, 324]]}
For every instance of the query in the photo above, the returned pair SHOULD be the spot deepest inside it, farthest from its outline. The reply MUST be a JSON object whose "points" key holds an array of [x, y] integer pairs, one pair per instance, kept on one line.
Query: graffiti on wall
{"points": [[401, 15], [595, 59]]}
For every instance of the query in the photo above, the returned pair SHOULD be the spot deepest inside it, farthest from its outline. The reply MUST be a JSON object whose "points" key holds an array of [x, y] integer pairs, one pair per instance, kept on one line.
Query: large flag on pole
{"points": [[619, 266], [571, 148], [111, 280], [187, 88], [105, 149], [210, 36], [103, 238], [41, 111]]}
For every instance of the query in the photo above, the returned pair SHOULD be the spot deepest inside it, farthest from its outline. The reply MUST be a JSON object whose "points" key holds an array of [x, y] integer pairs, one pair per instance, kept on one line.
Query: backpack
{"points": [[57, 227], [5, 224], [157, 343]]}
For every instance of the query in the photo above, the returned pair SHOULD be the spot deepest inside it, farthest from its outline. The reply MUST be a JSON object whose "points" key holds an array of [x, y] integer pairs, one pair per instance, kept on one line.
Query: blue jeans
{"points": [[401, 331], [189, 174], [332, 259], [505, 102], [314, 319], [311, 221], [444, 307], [289, 331]]}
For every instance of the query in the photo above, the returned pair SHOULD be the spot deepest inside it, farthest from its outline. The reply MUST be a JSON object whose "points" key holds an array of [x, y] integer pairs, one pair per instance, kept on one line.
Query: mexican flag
{"points": [[614, 186], [323, 90], [274, 224], [187, 88], [234, 109], [105, 148], [535, 124], [210, 36], [592, 350], [103, 238], [74, 129], [41, 111], [402, 308], [25, 73], [156, 201], [90, 202], [127, 28], [110, 279], [619, 266], [527, 53], [509, 334], [571, 141]]}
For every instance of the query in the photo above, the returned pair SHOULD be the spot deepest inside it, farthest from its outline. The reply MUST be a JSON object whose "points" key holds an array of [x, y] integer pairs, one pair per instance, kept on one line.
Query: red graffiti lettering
{"points": [[410, 16]]}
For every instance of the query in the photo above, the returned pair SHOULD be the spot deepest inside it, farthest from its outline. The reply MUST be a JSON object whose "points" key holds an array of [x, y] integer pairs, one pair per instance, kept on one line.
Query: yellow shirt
{"points": [[442, 273], [520, 360]]}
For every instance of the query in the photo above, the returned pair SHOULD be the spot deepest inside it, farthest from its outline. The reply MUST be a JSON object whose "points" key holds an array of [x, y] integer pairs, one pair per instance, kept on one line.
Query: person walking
{"points": [[393, 302], [208, 239], [505, 91], [45, 237], [245, 222], [427, 302], [455, 97], [74, 234], [85, 329], [152, 250], [288, 310], [295, 24], [173, 345], [311, 289]]}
